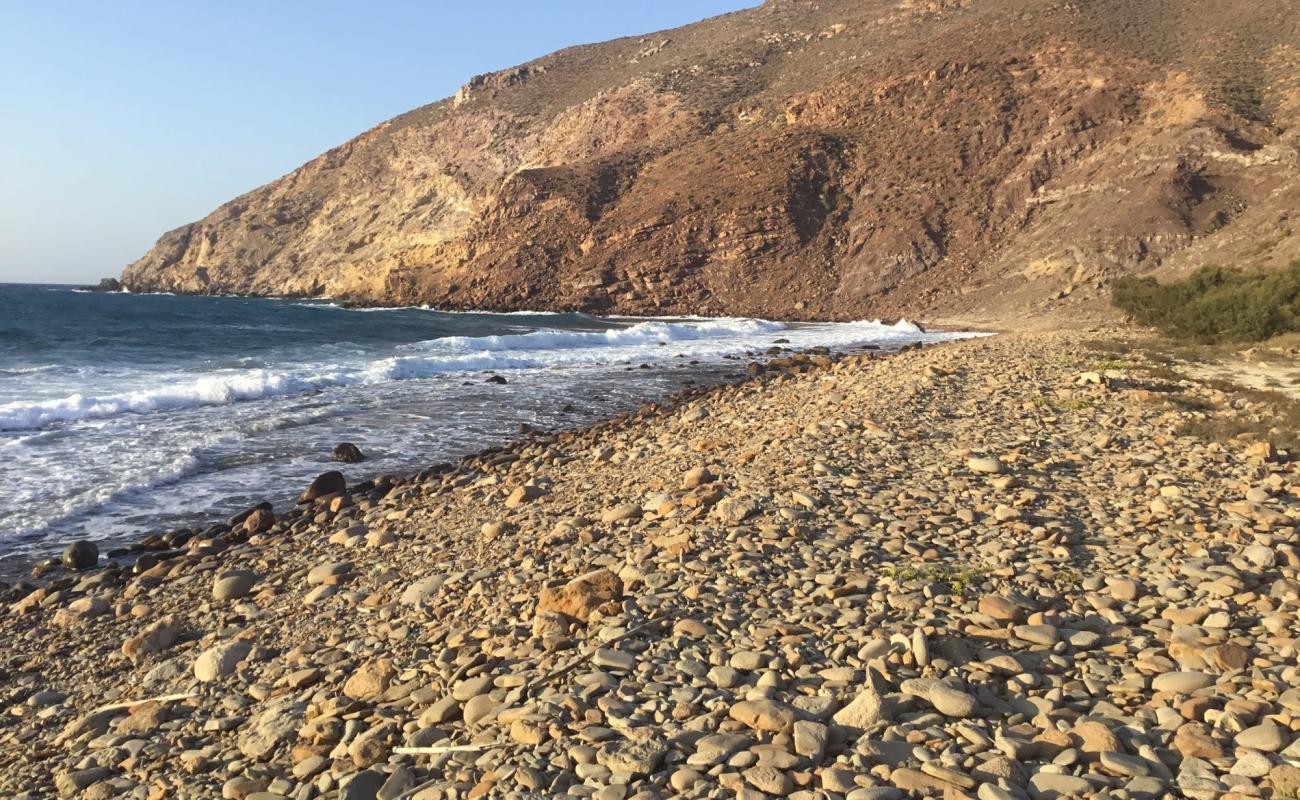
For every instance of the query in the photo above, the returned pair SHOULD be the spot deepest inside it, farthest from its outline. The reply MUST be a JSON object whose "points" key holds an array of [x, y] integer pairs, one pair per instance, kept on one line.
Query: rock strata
{"points": [[836, 159]]}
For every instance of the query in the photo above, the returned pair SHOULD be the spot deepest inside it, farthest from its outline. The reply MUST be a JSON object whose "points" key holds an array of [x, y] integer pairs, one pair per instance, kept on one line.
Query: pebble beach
{"points": [[994, 568]]}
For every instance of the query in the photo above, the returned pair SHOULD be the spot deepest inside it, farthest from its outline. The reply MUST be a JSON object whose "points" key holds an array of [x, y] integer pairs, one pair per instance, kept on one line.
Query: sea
{"points": [[123, 415]]}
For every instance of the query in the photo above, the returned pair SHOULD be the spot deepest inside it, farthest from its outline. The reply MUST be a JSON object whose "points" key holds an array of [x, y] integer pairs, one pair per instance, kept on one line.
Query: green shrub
{"points": [[1216, 304]]}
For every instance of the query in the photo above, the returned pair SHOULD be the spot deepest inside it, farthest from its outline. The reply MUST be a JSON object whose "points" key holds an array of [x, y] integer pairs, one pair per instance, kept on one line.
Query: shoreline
{"points": [[935, 572], [123, 553]]}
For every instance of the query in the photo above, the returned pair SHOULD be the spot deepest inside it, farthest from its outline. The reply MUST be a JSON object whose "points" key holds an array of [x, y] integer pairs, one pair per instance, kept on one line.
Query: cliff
{"points": [[827, 159]]}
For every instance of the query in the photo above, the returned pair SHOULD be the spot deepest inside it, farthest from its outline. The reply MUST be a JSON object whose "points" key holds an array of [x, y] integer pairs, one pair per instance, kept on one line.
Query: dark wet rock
{"points": [[81, 555], [348, 453], [327, 483]]}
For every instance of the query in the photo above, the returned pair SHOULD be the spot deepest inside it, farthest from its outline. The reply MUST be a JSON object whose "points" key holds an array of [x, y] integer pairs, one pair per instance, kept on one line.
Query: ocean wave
{"points": [[336, 307], [65, 499], [641, 333], [543, 349], [36, 370]]}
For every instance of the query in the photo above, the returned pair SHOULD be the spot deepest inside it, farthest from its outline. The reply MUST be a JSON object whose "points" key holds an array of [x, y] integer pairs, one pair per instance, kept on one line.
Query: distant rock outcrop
{"points": [[831, 159]]}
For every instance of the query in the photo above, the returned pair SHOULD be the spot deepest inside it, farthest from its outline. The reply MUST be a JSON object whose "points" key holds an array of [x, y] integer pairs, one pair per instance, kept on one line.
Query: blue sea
{"points": [[123, 415]]}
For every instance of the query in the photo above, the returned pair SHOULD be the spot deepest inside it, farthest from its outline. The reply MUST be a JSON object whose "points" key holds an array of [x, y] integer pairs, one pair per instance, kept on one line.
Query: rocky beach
{"points": [[1006, 567]]}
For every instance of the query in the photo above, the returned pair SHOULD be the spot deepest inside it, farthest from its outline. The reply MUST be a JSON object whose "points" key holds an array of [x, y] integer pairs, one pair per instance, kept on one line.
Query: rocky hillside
{"points": [[828, 159]]}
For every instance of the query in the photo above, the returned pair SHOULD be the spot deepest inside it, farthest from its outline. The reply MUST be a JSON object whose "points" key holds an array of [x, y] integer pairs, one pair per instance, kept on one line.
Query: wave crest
{"points": [[540, 349]]}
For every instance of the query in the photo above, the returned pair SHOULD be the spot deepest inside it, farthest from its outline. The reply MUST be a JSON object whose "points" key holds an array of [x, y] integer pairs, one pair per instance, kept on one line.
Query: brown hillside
{"points": [[826, 159]]}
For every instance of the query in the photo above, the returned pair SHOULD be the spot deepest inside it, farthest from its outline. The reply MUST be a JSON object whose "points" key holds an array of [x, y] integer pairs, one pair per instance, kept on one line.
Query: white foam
{"points": [[542, 349], [336, 307]]}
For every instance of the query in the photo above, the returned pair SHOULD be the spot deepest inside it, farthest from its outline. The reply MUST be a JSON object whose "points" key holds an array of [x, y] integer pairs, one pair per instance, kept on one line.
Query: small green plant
{"points": [[1067, 578], [1073, 404], [1106, 364], [1216, 304], [960, 579]]}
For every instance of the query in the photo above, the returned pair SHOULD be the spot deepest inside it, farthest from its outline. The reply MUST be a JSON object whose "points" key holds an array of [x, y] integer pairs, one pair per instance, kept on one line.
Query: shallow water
{"points": [[123, 415]]}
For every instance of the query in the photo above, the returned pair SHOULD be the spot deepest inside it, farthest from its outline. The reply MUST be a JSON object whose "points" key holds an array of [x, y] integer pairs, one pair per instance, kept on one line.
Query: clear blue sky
{"points": [[120, 120]]}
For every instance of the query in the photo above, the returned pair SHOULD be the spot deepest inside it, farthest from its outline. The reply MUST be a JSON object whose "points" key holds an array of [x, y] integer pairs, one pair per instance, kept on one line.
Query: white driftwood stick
{"points": [[166, 698], [434, 751]]}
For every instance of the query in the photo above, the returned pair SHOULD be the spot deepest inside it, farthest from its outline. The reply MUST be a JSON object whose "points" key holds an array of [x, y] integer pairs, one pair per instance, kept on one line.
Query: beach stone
{"points": [[1250, 764], [1045, 635], [1184, 682], [988, 466], [329, 574], [220, 660], [1123, 764], [233, 584], [633, 757], [1123, 589], [1193, 740], [1285, 780], [371, 680], [373, 746], [949, 776], [81, 555], [810, 739], [275, 726], [947, 700], [74, 782], [684, 779], [614, 659], [495, 529], [524, 494], [1268, 737], [916, 781], [325, 484], [155, 638], [864, 711], [364, 785], [478, 708], [621, 512], [423, 590], [400, 781], [694, 414], [764, 714], [1050, 786], [769, 780], [697, 477], [80, 611], [582, 595], [735, 509], [1227, 657], [528, 733], [259, 520], [1000, 608]]}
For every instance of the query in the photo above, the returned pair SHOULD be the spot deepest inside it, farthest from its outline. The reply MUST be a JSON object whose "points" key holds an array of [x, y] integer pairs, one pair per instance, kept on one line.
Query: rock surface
{"points": [[836, 159]]}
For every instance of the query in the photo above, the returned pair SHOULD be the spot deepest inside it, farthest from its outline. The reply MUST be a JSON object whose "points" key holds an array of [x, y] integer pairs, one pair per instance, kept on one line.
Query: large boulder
{"points": [[348, 453], [81, 555], [326, 484], [259, 521]]}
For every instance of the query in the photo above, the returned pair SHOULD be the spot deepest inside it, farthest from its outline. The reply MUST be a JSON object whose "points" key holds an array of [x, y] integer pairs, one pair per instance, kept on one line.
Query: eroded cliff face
{"points": [[833, 159]]}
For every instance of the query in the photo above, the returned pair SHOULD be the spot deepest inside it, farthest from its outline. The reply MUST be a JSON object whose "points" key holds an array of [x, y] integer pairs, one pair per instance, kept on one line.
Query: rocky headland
{"points": [[836, 159], [999, 568]]}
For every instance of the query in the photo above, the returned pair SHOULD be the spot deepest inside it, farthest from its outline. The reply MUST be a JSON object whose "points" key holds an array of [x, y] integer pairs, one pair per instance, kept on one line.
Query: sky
{"points": [[121, 120]]}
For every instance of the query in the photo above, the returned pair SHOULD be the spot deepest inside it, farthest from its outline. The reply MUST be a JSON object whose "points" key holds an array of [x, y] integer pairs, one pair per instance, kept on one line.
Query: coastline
{"points": [[18, 568], [792, 584]]}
